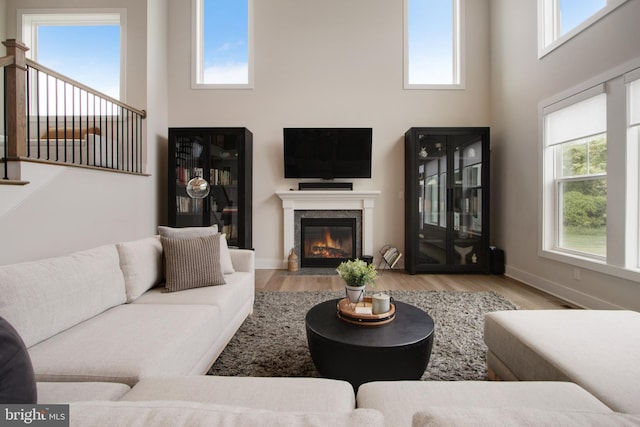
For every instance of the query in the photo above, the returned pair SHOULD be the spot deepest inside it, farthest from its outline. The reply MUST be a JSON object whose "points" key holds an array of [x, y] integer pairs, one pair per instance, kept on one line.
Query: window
{"points": [[590, 198], [582, 195], [222, 44], [560, 20], [433, 44], [86, 47], [575, 137], [633, 163], [572, 13]]}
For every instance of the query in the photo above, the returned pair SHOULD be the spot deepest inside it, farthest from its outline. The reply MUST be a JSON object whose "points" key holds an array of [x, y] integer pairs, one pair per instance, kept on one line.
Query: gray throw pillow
{"points": [[186, 232], [192, 263], [192, 232], [17, 380]]}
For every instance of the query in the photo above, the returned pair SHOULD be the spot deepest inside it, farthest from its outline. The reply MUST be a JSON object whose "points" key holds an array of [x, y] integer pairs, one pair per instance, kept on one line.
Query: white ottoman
{"points": [[596, 349]]}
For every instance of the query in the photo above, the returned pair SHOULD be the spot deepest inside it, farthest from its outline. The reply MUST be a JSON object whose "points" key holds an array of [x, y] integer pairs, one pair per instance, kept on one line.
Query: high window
{"points": [[222, 44], [433, 56], [86, 47], [560, 20]]}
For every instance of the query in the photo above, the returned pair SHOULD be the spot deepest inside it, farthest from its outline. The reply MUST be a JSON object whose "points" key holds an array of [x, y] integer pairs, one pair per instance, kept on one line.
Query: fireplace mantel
{"points": [[327, 200]]}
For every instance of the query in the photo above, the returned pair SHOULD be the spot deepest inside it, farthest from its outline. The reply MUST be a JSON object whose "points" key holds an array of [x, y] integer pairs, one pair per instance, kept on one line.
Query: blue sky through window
{"points": [[430, 38], [89, 54], [226, 41], [574, 12]]}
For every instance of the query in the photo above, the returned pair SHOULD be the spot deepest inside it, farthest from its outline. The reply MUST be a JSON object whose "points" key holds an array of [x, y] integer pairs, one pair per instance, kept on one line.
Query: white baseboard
{"points": [[270, 264], [558, 290]]}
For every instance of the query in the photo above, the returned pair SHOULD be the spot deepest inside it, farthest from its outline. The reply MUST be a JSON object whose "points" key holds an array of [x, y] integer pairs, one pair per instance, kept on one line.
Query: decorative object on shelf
{"points": [[357, 274], [463, 252], [198, 187], [293, 261], [362, 313], [196, 150]]}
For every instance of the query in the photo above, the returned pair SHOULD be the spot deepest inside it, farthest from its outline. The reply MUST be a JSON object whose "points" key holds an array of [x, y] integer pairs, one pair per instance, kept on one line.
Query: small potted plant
{"points": [[357, 274]]}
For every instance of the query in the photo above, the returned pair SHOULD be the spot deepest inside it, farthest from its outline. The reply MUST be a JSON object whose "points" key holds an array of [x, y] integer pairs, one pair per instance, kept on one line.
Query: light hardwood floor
{"points": [[520, 294]]}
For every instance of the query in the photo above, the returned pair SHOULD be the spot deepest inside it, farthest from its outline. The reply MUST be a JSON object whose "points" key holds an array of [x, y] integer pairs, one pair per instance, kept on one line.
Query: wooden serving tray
{"points": [[347, 312]]}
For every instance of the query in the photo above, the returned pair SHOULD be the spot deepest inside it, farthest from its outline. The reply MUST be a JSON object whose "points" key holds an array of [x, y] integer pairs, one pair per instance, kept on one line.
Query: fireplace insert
{"points": [[326, 242]]}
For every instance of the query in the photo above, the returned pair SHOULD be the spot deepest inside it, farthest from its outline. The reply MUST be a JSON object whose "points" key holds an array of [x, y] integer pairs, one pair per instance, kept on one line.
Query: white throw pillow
{"points": [[141, 263], [225, 256]]}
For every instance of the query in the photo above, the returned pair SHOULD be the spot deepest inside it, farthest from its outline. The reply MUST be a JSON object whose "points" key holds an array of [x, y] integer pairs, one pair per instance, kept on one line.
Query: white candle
{"points": [[381, 303]]}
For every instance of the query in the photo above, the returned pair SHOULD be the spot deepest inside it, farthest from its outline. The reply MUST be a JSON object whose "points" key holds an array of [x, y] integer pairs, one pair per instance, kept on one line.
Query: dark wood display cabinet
{"points": [[447, 200], [223, 157]]}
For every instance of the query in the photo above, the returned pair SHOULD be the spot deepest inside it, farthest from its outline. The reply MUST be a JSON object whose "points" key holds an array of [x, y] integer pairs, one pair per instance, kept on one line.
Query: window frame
{"points": [[30, 19], [632, 249], [458, 72], [197, 50], [623, 206], [552, 205], [549, 37]]}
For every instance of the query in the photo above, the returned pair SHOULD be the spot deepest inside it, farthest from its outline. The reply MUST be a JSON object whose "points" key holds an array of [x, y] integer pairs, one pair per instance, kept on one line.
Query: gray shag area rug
{"points": [[272, 342]]}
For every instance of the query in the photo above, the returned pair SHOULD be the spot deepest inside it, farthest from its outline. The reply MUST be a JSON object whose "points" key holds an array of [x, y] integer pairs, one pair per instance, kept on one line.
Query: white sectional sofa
{"points": [[84, 318], [560, 368], [103, 336]]}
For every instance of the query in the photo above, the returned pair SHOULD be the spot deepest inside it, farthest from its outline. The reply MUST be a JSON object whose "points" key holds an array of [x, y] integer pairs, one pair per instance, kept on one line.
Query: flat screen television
{"points": [[327, 153]]}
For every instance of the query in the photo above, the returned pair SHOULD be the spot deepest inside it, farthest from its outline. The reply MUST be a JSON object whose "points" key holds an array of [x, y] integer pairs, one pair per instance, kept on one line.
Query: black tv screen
{"points": [[327, 153]]}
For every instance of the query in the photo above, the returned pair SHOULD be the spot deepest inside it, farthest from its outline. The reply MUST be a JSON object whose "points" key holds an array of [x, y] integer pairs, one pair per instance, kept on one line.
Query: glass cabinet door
{"points": [[447, 199], [190, 155], [467, 199], [432, 199], [223, 177], [222, 157]]}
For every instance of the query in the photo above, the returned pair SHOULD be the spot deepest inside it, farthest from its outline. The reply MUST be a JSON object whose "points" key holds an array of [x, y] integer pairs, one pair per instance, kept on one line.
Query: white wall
{"points": [[3, 14], [328, 63], [66, 209], [520, 81], [157, 103]]}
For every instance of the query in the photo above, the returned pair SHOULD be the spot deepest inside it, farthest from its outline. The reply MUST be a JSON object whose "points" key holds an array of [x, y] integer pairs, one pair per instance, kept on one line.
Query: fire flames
{"points": [[326, 246]]}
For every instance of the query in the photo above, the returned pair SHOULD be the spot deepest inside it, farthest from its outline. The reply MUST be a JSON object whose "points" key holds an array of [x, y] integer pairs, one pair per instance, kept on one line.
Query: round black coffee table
{"points": [[398, 350]]}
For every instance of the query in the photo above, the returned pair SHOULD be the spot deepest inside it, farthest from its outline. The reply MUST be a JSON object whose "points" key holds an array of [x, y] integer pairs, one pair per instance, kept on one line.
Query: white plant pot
{"points": [[355, 293]]}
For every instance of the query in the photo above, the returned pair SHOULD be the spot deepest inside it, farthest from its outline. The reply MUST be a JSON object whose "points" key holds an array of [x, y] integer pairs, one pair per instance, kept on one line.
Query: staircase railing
{"points": [[52, 118]]}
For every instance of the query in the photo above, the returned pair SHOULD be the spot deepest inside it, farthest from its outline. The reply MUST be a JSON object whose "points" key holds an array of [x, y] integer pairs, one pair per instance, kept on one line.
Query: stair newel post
{"points": [[16, 102]]}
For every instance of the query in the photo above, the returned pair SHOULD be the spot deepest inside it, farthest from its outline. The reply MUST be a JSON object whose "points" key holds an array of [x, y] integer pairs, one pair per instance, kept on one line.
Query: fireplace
{"points": [[327, 204], [326, 242]]}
